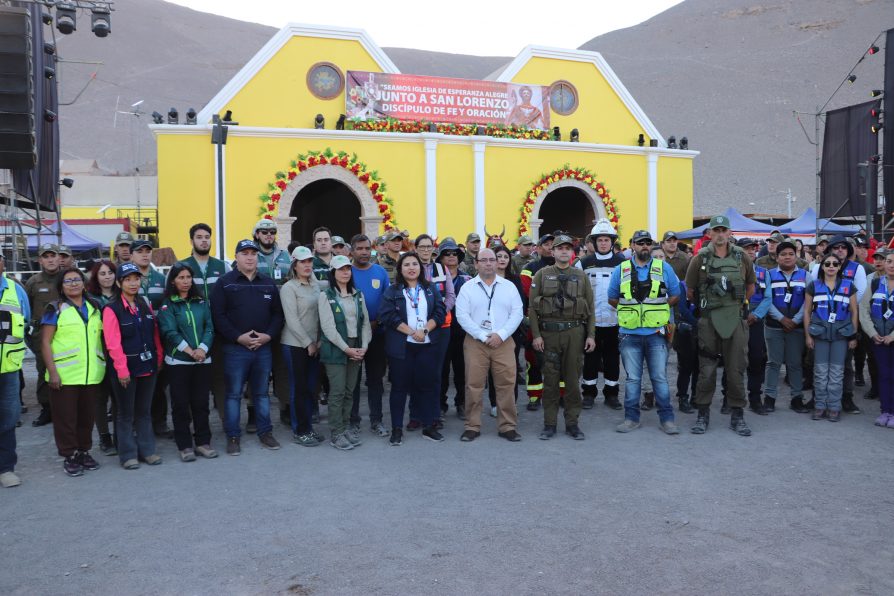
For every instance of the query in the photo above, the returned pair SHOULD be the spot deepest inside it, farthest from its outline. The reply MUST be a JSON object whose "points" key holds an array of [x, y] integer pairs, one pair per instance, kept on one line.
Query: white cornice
{"points": [[408, 137], [223, 97], [601, 65]]}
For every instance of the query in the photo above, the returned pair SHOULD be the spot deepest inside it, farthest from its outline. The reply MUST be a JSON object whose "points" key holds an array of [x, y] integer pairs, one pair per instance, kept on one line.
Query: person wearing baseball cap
{"points": [[643, 290], [273, 261], [473, 245], [524, 253], [345, 333], [123, 242], [721, 279], [42, 288], [340, 247], [247, 313], [674, 257], [562, 324], [65, 258]]}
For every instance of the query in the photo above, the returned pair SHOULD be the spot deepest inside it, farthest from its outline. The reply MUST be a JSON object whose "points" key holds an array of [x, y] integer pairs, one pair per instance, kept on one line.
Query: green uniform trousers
{"points": [[563, 358], [735, 359]]}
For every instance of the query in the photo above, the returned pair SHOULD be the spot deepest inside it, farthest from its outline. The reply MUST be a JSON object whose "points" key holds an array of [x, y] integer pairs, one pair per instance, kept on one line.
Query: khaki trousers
{"points": [[480, 359]]}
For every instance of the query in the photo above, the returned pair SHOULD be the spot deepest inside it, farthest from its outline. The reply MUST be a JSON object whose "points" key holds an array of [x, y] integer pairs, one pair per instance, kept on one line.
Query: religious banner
{"points": [[375, 95]]}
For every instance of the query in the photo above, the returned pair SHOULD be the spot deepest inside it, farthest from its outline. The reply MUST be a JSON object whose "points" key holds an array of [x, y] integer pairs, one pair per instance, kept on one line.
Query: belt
{"points": [[559, 325]]}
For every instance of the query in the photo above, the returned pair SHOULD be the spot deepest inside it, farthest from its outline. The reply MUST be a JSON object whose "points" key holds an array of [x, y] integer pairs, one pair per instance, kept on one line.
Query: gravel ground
{"points": [[798, 508]]}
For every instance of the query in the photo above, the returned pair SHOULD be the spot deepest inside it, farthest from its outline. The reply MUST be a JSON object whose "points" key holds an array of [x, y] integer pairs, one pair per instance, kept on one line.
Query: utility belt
{"points": [[559, 325]]}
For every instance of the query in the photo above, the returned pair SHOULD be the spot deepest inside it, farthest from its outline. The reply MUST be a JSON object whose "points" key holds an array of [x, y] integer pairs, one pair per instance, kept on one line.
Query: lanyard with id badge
{"points": [[487, 324], [889, 298], [146, 354], [414, 302], [832, 306]]}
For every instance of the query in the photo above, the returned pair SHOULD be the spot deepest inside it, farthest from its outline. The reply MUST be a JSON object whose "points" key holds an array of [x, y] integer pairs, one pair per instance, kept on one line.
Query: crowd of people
{"points": [[126, 343]]}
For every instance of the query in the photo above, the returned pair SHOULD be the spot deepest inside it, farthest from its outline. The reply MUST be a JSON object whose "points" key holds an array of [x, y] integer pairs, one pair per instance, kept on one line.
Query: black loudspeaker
{"points": [[18, 142]]}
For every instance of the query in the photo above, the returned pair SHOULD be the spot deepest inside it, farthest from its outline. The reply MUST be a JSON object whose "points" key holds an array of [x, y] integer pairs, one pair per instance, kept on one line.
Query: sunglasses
{"points": [[644, 243], [267, 232], [831, 264], [449, 253]]}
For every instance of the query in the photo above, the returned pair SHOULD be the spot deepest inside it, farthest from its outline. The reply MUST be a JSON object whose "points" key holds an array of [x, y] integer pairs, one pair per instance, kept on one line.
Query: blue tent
{"points": [[76, 241], [739, 224], [806, 224]]}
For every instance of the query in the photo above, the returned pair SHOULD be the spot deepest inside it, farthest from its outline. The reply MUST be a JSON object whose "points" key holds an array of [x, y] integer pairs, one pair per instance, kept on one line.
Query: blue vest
{"points": [[879, 306], [137, 336], [850, 270], [788, 295], [841, 298], [759, 288]]}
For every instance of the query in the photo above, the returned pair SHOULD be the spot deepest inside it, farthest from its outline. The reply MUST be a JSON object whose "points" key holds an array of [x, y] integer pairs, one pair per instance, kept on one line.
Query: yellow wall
{"points": [[674, 194], [91, 212], [278, 95], [186, 188], [601, 116], [456, 191]]}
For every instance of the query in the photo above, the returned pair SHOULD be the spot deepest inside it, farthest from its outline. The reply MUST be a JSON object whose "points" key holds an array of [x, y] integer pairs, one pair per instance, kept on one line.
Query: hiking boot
{"points": [[251, 425], [233, 447], [588, 402], [397, 437], [206, 451], [187, 455], [341, 441], [107, 445], [547, 433], [648, 401], [757, 406], [798, 405], [511, 436], [413, 425], [268, 441], [354, 437], [834, 416], [627, 426], [43, 418], [431, 433], [738, 424], [378, 429], [533, 405], [130, 464], [611, 401], [9, 480], [769, 404], [470, 435], [818, 415], [72, 466], [686, 404], [670, 428], [153, 460], [87, 462], [848, 405], [575, 432], [724, 406], [701, 423], [461, 411], [305, 440]]}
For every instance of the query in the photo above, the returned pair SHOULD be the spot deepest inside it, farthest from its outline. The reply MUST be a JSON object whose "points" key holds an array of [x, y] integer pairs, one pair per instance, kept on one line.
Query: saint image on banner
{"points": [[527, 110]]}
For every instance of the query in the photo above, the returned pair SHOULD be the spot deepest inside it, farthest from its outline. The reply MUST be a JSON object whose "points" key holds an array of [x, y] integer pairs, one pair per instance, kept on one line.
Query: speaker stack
{"points": [[18, 142]]}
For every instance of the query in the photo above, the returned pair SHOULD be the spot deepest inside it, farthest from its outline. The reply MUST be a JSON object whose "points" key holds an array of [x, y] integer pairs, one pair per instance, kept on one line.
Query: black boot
{"points": [[611, 399], [769, 404], [810, 405], [798, 406], [588, 396], [686, 404], [701, 423], [724, 406], [757, 406], [43, 418], [848, 405], [737, 423]]}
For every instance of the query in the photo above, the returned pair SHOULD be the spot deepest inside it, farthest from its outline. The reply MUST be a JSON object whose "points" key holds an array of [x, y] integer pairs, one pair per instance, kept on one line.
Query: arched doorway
{"points": [[327, 203], [568, 209]]}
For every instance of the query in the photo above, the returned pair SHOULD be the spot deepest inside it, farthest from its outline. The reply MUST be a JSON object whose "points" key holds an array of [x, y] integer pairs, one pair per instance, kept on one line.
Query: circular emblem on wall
{"points": [[325, 80], [562, 98]]}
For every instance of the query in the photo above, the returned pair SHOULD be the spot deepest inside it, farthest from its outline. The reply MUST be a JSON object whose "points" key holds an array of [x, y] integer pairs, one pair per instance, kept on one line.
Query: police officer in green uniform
{"points": [[563, 325], [388, 260], [322, 239], [152, 282], [41, 289], [720, 281], [473, 245], [524, 254], [206, 270]]}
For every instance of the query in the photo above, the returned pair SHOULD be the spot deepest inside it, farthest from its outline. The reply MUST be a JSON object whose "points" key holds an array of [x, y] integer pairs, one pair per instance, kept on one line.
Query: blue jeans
{"points": [[133, 426], [244, 365], [10, 409], [653, 349]]}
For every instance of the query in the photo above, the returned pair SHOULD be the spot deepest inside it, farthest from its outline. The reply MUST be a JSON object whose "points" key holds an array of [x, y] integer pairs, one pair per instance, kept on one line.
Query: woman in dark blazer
{"points": [[412, 312]]}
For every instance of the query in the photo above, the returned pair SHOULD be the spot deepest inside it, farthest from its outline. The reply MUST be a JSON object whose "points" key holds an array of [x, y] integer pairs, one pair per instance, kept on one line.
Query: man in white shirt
{"points": [[489, 309]]}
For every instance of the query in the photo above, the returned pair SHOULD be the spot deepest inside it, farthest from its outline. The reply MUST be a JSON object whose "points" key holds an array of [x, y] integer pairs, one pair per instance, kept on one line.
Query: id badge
{"points": [[486, 324], [832, 317], [788, 298], [146, 356], [420, 324], [277, 274], [888, 313]]}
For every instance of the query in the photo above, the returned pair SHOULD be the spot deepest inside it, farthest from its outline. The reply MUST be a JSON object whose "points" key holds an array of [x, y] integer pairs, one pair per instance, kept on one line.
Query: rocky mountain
{"points": [[727, 74]]}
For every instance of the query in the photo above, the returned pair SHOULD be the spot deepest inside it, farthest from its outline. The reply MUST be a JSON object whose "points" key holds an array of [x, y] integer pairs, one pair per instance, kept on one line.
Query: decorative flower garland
{"points": [[270, 199], [566, 172], [499, 131]]}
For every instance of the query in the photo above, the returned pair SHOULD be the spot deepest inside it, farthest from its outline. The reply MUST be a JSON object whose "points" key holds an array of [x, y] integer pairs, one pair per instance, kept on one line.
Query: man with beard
{"points": [[206, 271], [606, 357]]}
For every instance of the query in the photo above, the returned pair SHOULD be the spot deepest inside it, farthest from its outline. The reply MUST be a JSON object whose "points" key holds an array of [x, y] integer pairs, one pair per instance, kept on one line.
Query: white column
{"points": [[431, 187], [480, 211], [653, 193], [220, 200]]}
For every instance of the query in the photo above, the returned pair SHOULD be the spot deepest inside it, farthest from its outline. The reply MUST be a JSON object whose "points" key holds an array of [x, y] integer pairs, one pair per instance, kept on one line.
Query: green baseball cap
{"points": [[719, 221]]}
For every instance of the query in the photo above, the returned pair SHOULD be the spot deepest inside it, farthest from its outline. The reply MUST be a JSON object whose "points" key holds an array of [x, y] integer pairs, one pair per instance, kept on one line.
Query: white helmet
{"points": [[604, 228]]}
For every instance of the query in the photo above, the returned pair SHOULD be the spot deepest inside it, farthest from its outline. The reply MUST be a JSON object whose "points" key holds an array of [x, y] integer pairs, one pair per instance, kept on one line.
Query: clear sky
{"points": [[478, 27]]}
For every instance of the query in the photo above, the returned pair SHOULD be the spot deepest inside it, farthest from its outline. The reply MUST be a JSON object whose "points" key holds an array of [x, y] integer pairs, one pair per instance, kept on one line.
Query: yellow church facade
{"points": [[275, 163]]}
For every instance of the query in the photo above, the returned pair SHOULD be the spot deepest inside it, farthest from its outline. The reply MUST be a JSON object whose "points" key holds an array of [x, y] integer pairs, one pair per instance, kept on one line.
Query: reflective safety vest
{"points": [[12, 330], [653, 311], [840, 297], [439, 278], [760, 287], [881, 309], [788, 294], [77, 346]]}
